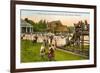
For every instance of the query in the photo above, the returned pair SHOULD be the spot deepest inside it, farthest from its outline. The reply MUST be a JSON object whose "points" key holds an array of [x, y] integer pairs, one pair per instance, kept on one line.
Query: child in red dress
{"points": [[51, 54]]}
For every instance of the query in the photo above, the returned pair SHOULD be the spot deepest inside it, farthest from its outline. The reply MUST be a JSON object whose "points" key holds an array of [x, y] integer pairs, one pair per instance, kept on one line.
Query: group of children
{"points": [[50, 53]]}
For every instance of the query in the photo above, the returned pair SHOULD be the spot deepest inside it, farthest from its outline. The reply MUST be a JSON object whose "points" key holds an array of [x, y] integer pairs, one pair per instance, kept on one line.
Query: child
{"points": [[51, 54], [42, 51]]}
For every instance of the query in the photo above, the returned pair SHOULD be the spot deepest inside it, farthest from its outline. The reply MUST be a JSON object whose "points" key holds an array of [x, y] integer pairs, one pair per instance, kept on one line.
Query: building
{"points": [[26, 27], [57, 26]]}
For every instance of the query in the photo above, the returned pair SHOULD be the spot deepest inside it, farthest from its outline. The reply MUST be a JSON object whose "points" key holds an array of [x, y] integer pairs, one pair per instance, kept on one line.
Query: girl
{"points": [[42, 52], [51, 54]]}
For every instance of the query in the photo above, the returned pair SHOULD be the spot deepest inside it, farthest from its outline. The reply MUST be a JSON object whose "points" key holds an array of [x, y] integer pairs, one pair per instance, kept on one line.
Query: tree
{"points": [[41, 26], [26, 19], [29, 21], [70, 29]]}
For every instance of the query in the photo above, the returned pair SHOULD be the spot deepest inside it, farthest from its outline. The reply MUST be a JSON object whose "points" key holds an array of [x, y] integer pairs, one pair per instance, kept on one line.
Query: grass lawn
{"points": [[31, 53]]}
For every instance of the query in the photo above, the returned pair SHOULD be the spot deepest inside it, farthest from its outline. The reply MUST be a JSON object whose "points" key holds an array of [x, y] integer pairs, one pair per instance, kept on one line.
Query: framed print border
{"points": [[13, 35]]}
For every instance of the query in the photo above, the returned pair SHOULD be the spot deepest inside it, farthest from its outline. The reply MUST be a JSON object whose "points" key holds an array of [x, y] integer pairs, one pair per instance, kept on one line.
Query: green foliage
{"points": [[40, 26], [71, 29], [29, 21]]}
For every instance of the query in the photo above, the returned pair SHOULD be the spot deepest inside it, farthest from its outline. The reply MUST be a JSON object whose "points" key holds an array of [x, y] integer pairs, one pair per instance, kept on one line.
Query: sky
{"points": [[66, 17]]}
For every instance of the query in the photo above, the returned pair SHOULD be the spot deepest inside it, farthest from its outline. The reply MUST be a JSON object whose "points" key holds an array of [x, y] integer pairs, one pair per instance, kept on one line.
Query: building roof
{"points": [[57, 26], [25, 24]]}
